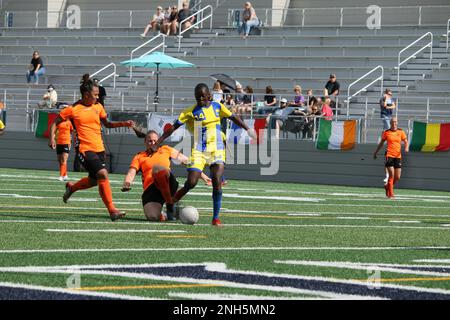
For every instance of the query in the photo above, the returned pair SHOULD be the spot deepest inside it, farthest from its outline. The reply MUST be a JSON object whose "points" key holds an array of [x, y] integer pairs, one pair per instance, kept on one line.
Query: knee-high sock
{"points": [[83, 183], [391, 187], [104, 189], [63, 169], [162, 183], [217, 202]]}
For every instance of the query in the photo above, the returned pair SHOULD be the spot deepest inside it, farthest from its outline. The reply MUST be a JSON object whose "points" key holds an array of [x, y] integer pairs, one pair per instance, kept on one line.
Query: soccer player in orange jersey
{"points": [[394, 137], [63, 143], [88, 116], [158, 181]]}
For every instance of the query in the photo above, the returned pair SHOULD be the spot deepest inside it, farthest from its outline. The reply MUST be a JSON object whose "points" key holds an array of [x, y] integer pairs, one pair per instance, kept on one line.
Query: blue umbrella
{"points": [[157, 60]]}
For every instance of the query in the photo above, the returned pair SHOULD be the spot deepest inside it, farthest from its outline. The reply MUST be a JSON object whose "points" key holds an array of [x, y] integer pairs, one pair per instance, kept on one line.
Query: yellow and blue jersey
{"points": [[204, 125]]}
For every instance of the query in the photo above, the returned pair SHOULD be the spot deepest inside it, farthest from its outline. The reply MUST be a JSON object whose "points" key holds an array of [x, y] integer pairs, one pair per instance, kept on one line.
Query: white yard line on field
{"points": [[113, 231]]}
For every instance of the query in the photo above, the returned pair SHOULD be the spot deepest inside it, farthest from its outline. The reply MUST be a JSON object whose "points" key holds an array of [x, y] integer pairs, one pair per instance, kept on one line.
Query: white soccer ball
{"points": [[189, 215]]}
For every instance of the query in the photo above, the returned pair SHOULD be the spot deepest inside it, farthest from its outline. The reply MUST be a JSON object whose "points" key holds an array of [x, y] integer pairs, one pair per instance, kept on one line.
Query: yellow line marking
{"points": [[404, 279], [176, 236], [153, 286]]}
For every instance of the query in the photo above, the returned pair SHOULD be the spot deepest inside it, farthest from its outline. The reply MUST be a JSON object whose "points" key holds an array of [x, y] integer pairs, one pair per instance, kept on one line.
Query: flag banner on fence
{"points": [[43, 123], [430, 137], [336, 135], [160, 122], [237, 135]]}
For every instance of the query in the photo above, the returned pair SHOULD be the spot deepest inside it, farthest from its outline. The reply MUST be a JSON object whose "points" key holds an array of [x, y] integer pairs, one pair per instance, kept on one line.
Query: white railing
{"points": [[113, 74], [161, 45], [379, 78], [429, 44], [348, 16], [447, 35], [199, 22]]}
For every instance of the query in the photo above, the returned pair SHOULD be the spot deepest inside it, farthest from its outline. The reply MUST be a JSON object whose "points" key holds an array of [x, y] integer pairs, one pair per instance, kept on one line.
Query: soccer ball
{"points": [[189, 215]]}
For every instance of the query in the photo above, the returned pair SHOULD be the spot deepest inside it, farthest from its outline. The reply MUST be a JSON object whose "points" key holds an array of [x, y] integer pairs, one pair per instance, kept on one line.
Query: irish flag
{"points": [[43, 123], [336, 135], [430, 137]]}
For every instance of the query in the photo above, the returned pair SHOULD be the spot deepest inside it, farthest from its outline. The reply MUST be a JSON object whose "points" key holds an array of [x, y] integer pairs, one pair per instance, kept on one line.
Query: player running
{"points": [[158, 181], [394, 137], [88, 116], [63, 133], [203, 121]]}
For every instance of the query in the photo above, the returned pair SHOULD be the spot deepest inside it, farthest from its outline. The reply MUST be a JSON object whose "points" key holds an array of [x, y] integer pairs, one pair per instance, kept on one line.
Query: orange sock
{"points": [[83, 183], [162, 183], [104, 188], [391, 187], [63, 170]]}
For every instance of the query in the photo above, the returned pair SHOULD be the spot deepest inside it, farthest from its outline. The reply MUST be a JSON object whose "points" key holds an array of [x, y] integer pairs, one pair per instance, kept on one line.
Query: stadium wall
{"points": [[300, 162]]}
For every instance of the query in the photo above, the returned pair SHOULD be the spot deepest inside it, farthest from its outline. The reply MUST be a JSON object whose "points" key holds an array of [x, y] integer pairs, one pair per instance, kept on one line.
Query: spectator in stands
{"points": [[217, 93], [36, 68], [49, 98], [184, 14], [387, 104], [331, 87], [156, 22], [249, 20], [269, 99], [276, 119], [101, 92], [229, 101], [299, 99], [239, 96], [327, 112], [309, 96], [166, 23], [311, 118], [173, 20], [247, 101]]}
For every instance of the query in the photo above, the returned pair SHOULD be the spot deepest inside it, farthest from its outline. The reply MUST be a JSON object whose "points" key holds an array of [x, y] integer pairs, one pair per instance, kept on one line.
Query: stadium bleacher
{"points": [[281, 57]]}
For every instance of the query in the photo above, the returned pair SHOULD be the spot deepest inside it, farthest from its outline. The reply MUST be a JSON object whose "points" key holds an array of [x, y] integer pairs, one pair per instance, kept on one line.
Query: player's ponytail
{"points": [[86, 84]]}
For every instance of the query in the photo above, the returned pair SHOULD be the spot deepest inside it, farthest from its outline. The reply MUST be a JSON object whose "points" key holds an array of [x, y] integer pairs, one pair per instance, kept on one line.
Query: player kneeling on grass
{"points": [[88, 116], [203, 121], [394, 137], [158, 181]]}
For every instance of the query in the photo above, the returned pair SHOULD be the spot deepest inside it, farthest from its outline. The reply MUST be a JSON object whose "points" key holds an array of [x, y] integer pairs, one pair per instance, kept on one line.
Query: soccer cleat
{"points": [[217, 223], [68, 192], [386, 187], [224, 183], [65, 178], [162, 217], [116, 215], [61, 179], [385, 180]]}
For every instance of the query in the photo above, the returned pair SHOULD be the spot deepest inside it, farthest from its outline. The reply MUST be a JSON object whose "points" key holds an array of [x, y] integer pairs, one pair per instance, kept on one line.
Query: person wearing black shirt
{"points": [[101, 92], [332, 87], [173, 20], [36, 68], [184, 14]]}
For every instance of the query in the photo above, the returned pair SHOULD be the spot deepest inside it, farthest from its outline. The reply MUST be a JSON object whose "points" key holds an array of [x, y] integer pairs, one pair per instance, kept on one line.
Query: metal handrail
{"points": [[400, 63], [447, 34], [341, 12], [113, 74], [180, 35], [381, 78], [161, 45]]}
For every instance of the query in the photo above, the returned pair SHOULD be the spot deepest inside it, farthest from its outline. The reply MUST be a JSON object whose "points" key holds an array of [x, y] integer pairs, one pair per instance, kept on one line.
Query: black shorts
{"points": [[93, 162], [393, 162], [62, 148], [152, 193]]}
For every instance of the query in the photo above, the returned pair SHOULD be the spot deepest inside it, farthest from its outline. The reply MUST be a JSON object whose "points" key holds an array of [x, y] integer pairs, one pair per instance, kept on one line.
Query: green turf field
{"points": [[279, 241]]}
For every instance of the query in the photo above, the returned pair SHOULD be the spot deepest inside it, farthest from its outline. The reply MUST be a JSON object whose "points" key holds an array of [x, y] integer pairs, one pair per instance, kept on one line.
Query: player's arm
{"points": [[238, 121], [406, 142], [129, 178], [167, 133], [52, 134], [117, 124], [380, 145]]}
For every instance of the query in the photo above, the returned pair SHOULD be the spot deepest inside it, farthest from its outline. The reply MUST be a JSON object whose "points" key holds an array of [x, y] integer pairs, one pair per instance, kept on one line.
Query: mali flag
{"points": [[43, 123], [430, 137]]}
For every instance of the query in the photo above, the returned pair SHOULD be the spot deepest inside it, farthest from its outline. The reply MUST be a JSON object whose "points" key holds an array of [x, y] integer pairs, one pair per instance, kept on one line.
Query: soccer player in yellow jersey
{"points": [[2, 127], [203, 121]]}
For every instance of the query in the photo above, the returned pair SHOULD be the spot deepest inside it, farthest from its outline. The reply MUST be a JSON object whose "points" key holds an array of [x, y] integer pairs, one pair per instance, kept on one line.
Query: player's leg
{"points": [[390, 184], [65, 158], [397, 174], [86, 159], [152, 211], [165, 182], [217, 170], [191, 182]]}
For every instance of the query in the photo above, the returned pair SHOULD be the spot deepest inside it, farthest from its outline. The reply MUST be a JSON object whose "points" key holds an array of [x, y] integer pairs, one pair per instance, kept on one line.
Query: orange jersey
{"points": [[65, 128], [394, 142], [87, 124], [144, 162]]}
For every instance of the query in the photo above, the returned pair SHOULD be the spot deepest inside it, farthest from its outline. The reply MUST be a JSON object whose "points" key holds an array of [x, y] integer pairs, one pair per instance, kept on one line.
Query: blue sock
{"points": [[217, 202]]}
